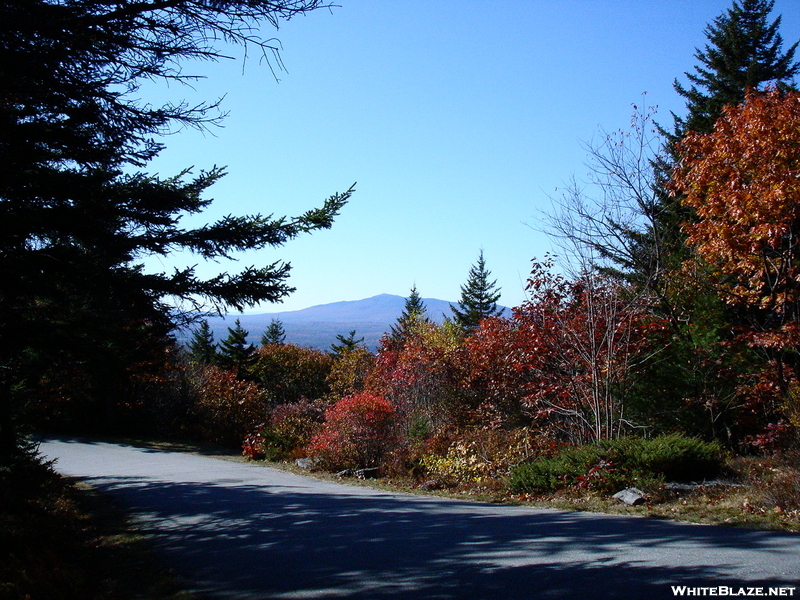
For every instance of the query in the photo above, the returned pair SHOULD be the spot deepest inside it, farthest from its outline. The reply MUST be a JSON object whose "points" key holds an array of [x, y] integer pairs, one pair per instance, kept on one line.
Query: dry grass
{"points": [[747, 499], [756, 493]]}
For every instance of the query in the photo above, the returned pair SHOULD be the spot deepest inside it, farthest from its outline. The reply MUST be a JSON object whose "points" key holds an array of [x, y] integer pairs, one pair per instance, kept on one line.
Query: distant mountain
{"points": [[319, 325]]}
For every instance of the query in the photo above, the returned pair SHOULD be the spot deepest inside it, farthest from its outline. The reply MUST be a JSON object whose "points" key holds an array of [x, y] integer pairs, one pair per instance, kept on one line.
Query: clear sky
{"points": [[458, 119]]}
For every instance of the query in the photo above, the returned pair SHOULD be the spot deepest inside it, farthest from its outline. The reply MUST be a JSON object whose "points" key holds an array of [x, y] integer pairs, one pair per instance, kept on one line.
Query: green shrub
{"points": [[615, 464], [676, 457]]}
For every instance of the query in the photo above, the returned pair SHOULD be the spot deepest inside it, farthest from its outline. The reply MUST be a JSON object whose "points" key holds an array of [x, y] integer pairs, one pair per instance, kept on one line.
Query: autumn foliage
{"points": [[587, 359], [422, 375], [567, 356], [743, 181], [288, 429], [225, 407], [288, 372], [358, 431]]}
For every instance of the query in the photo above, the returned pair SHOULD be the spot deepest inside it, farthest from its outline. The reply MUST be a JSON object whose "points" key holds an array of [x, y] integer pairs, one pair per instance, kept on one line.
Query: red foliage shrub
{"points": [[226, 407], [358, 431], [422, 375], [253, 446]]}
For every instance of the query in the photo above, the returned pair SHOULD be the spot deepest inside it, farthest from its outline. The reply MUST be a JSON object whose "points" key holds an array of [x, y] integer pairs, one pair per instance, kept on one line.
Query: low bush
{"points": [[359, 430], [676, 457], [225, 407], [290, 428], [613, 464], [482, 455], [463, 464]]}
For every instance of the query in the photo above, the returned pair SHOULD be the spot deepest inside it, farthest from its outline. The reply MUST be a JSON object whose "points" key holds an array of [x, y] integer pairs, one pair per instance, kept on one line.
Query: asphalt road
{"points": [[234, 530]]}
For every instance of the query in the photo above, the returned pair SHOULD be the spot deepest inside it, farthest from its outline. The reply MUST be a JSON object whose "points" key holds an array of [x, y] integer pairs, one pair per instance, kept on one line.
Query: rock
{"points": [[429, 486], [369, 473], [630, 496], [306, 463]]}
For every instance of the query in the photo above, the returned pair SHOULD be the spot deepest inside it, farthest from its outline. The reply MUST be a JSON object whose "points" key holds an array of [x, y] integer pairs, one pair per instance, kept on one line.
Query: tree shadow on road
{"points": [[236, 539]]}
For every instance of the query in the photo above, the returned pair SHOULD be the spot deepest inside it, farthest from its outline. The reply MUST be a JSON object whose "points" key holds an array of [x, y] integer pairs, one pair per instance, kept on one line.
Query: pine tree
{"points": [[414, 311], [275, 333], [479, 297], [346, 344], [235, 352], [78, 214], [744, 51], [202, 348]]}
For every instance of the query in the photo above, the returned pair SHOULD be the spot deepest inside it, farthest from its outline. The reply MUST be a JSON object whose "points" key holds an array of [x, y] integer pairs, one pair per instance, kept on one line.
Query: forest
{"points": [[660, 345]]}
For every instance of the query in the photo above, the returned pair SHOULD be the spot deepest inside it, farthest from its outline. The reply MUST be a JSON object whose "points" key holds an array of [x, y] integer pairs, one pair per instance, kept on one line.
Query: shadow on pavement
{"points": [[239, 540]]}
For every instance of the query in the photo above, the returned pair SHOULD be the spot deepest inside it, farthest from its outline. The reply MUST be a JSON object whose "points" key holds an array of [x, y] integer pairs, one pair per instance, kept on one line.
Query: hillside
{"points": [[318, 326]]}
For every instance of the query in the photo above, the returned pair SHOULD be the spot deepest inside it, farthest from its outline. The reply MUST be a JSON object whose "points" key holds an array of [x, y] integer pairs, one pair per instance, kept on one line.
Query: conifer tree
{"points": [[235, 352], [202, 348], [346, 344], [414, 311], [479, 297], [274, 334], [79, 215], [744, 51]]}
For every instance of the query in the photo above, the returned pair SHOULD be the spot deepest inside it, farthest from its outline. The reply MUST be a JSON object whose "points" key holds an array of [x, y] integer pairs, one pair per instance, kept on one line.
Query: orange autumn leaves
{"points": [[743, 181]]}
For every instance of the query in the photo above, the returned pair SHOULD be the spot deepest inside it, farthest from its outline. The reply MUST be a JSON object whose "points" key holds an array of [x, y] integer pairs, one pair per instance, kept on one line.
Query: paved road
{"points": [[244, 531]]}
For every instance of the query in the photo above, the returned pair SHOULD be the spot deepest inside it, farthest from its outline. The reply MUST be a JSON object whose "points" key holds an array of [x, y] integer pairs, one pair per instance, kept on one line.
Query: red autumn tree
{"points": [[567, 356], [743, 181]]}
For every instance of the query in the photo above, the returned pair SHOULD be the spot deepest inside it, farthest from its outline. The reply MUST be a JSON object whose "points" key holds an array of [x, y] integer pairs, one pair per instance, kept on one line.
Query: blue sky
{"points": [[457, 119]]}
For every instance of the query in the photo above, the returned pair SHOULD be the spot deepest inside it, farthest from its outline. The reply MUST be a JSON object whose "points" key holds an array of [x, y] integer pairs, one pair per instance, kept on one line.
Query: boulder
{"points": [[630, 496]]}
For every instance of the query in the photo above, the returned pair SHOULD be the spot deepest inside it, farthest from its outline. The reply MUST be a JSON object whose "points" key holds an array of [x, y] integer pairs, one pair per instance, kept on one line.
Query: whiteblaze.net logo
{"points": [[725, 590]]}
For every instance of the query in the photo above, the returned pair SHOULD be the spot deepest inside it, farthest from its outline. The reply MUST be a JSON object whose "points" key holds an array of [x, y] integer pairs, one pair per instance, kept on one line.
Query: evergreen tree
{"points": [[346, 344], [79, 216], [275, 334], [202, 348], [744, 51], [479, 297], [235, 352], [414, 311]]}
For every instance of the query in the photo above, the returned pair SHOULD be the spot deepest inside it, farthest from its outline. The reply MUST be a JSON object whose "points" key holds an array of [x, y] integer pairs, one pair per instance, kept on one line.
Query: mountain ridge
{"points": [[317, 326]]}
